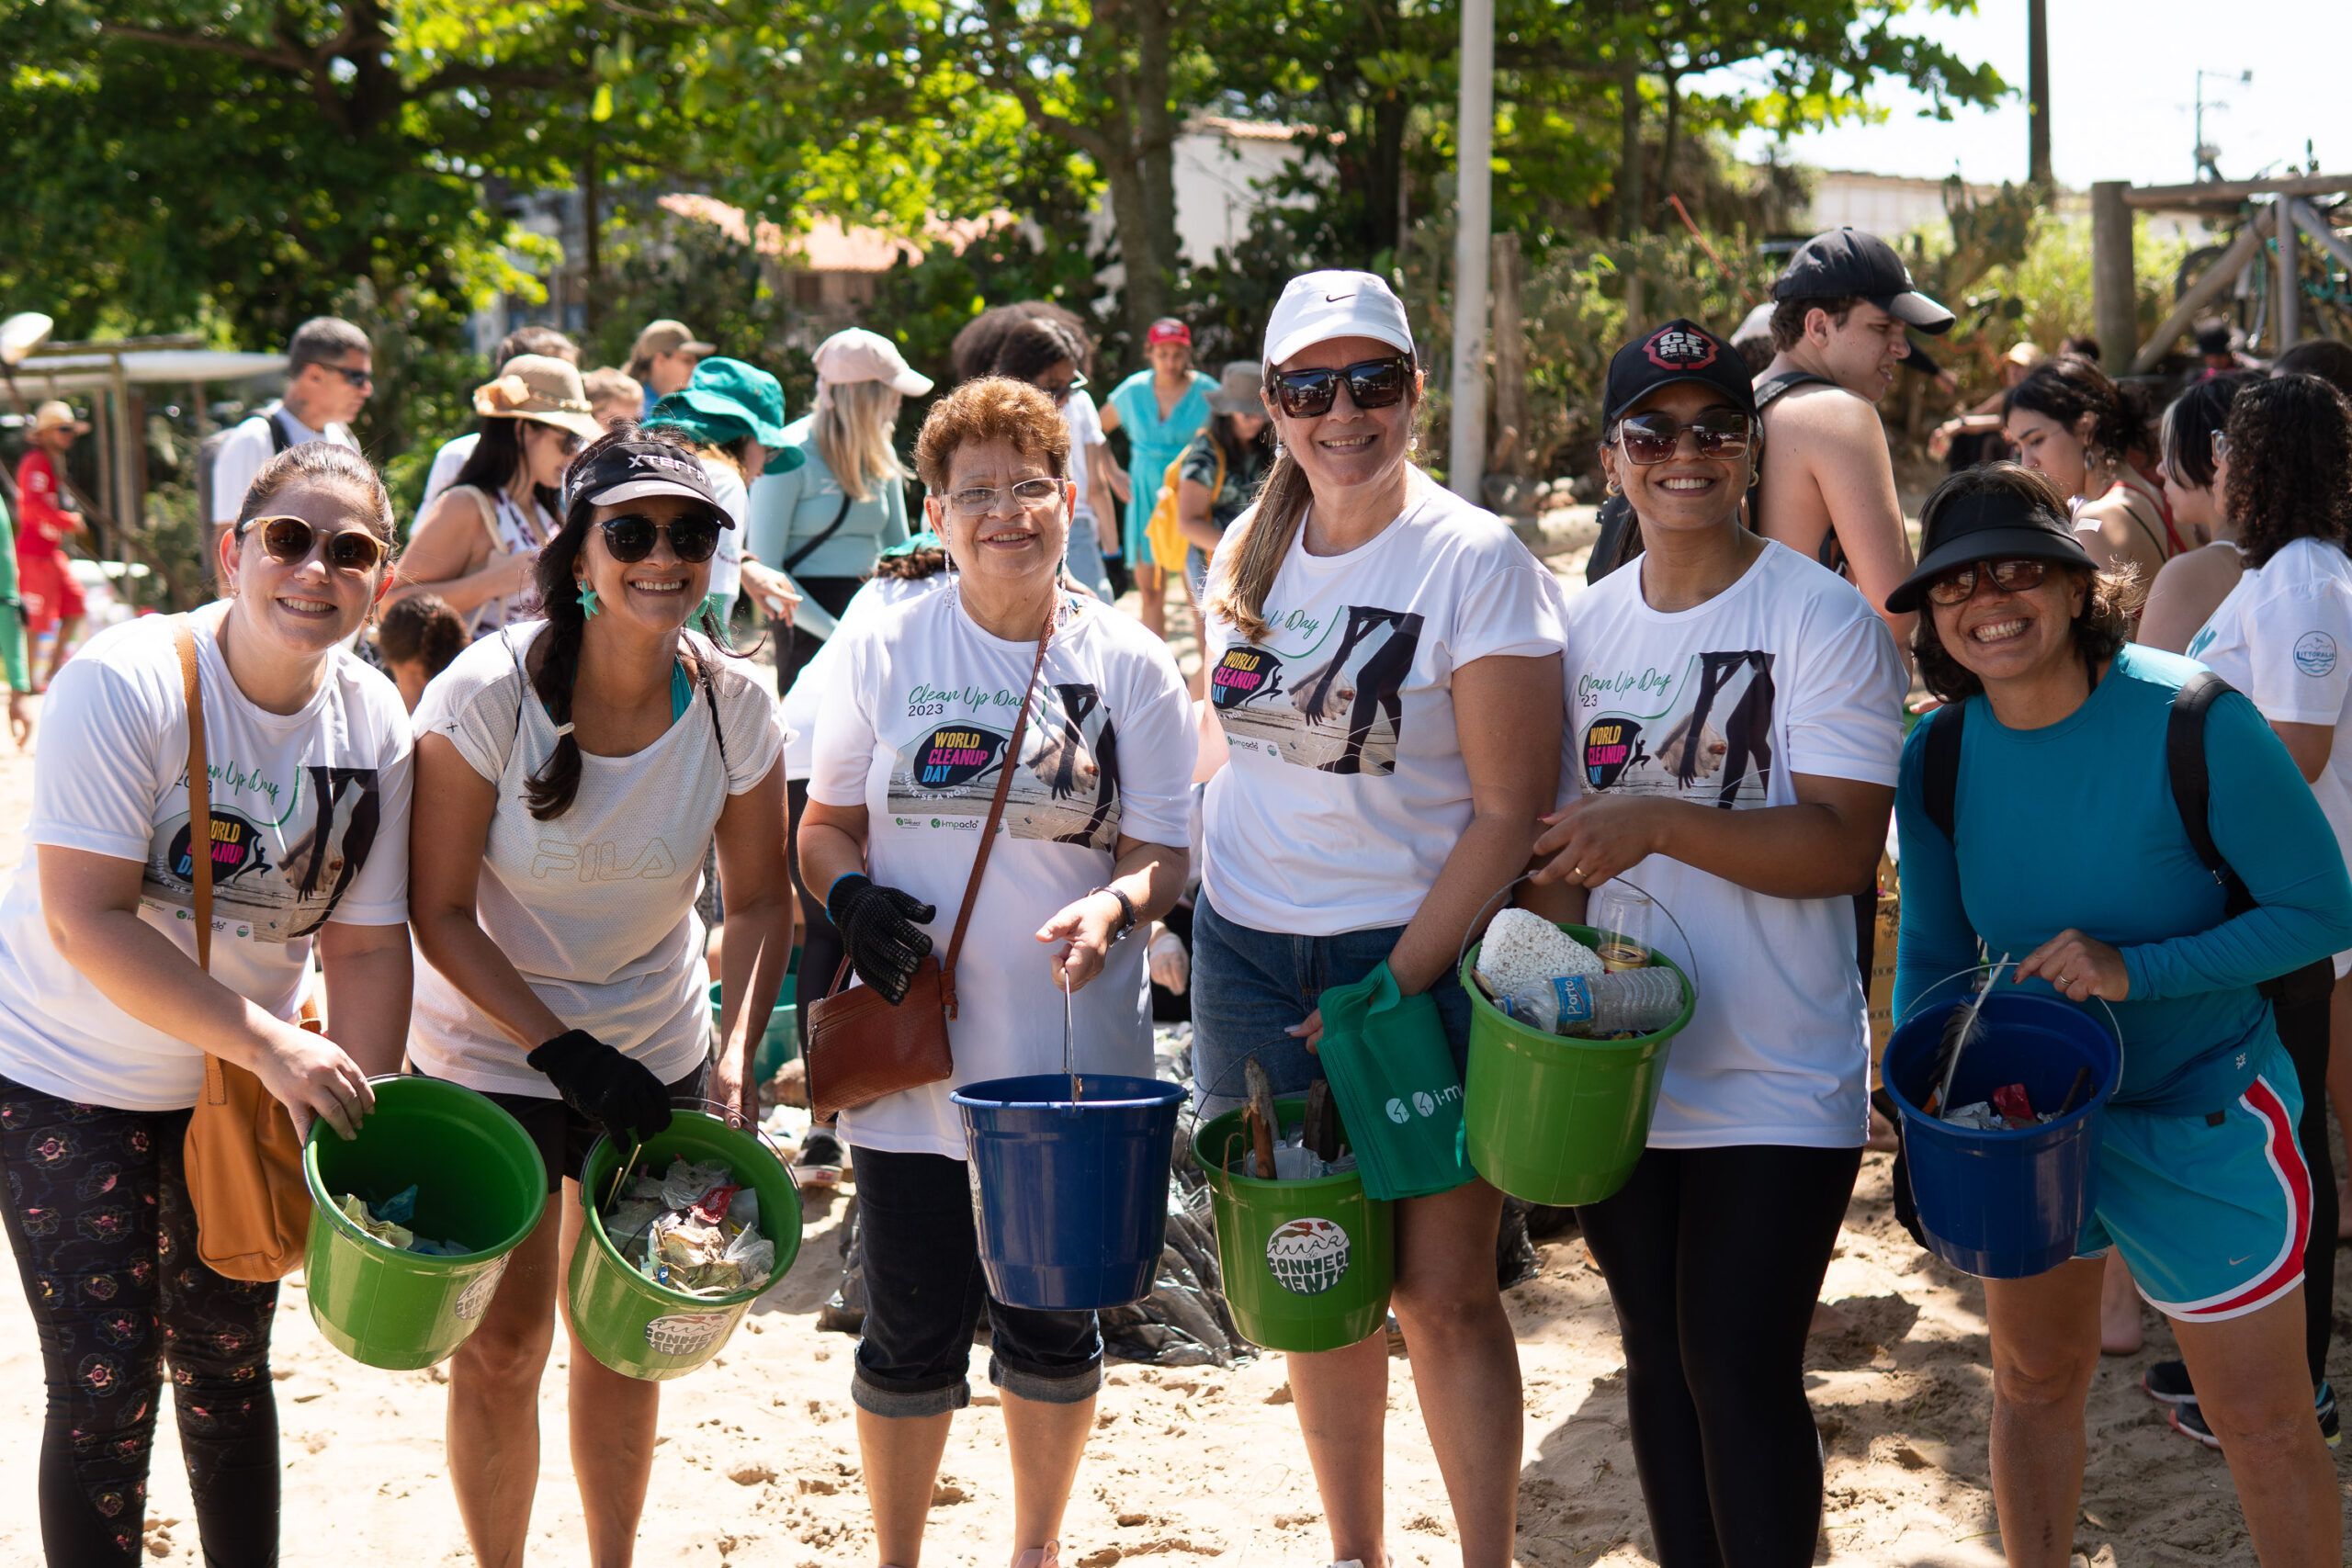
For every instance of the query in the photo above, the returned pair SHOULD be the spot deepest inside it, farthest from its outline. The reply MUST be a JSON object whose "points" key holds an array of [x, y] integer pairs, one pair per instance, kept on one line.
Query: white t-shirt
{"points": [[247, 450], [1342, 821], [595, 909], [310, 823], [1085, 425], [2284, 638], [446, 463], [923, 710], [1789, 670], [821, 675], [735, 500]]}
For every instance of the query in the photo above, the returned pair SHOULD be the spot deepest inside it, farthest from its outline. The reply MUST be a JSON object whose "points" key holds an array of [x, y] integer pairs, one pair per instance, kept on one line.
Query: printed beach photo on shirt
{"points": [[1065, 791], [278, 870], [1701, 733], [1334, 703]]}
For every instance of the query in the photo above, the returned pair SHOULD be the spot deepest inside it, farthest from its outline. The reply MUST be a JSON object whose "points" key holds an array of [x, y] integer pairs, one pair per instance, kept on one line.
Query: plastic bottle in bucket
{"points": [[1069, 1197], [644, 1330], [2005, 1203], [481, 1184]]}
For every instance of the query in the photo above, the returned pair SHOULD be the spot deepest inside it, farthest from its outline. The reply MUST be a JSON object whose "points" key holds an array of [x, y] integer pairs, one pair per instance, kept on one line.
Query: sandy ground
{"points": [[758, 1464]]}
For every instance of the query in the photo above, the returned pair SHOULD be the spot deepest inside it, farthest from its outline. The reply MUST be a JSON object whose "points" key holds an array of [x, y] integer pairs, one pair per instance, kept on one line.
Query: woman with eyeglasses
{"points": [[1384, 663], [2062, 759], [932, 700], [1162, 406], [1050, 355], [2068, 421], [1735, 723], [580, 769], [477, 547], [106, 1016]]}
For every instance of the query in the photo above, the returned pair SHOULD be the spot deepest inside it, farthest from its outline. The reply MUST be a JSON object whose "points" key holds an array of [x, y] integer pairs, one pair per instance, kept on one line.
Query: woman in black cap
{"points": [[1735, 721], [2060, 841]]}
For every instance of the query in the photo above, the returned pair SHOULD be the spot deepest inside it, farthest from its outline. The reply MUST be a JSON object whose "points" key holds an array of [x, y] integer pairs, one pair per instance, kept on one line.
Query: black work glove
{"points": [[620, 1095], [881, 932]]}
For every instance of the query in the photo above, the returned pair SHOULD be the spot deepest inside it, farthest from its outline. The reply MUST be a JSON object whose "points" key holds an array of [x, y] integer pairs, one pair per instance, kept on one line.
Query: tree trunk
{"points": [[1630, 202], [2037, 89], [1385, 180], [1673, 81], [592, 224], [1155, 124], [1147, 285]]}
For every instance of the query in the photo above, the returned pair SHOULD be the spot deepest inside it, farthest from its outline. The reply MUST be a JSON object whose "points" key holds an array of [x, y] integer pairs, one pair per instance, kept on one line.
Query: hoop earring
{"points": [[1610, 485]]}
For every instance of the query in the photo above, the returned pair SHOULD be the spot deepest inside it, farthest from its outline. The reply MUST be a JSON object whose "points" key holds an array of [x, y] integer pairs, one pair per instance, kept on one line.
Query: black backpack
{"points": [[208, 453]]}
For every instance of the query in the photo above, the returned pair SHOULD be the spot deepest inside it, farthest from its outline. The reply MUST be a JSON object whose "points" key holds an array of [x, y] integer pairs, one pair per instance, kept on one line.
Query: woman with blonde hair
{"points": [[835, 496]]}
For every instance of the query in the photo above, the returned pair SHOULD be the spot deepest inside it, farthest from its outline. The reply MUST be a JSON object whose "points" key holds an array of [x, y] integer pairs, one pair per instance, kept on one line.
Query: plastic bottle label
{"points": [[1574, 994]]}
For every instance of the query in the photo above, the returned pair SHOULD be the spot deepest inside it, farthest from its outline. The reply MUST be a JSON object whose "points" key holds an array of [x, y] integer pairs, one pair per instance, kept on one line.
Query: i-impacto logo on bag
{"points": [[1399, 1112], [1307, 1257]]}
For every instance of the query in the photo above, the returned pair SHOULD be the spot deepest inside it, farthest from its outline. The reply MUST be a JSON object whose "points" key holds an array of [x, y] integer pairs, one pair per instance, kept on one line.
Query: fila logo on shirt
{"points": [[601, 861]]}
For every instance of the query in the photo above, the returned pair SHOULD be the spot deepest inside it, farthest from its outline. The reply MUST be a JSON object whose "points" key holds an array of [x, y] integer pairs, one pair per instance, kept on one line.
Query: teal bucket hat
{"points": [[726, 401]]}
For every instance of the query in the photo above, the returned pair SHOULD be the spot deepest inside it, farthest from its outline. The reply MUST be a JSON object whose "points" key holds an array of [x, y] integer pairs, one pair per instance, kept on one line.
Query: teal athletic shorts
{"points": [[2210, 1212]]}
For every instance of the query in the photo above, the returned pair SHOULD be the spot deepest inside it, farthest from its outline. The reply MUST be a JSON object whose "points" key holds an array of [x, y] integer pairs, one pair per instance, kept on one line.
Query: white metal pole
{"points": [[1474, 184]]}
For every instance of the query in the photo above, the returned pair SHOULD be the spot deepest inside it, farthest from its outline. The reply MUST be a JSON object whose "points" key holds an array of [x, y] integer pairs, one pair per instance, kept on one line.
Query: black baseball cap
{"points": [[1846, 262], [1987, 525], [635, 468], [1679, 351]]}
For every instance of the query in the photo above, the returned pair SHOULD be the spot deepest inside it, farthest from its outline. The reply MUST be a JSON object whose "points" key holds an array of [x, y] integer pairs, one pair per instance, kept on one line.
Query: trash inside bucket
{"points": [[780, 1041], [1069, 1201], [1552, 1117], [1307, 1265], [2005, 1205], [480, 1185], [644, 1330]]}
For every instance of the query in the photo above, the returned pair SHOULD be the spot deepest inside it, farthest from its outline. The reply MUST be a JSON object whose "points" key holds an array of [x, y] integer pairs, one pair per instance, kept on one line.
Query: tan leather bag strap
{"points": [[996, 815], [200, 831]]}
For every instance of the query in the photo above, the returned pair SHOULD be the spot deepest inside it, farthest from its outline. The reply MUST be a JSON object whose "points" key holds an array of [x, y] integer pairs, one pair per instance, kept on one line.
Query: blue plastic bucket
{"points": [[1069, 1201], [2004, 1205]]}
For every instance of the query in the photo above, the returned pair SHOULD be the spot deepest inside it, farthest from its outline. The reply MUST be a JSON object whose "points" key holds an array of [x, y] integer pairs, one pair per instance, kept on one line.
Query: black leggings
{"points": [[2304, 1030], [1714, 1259], [98, 1216]]}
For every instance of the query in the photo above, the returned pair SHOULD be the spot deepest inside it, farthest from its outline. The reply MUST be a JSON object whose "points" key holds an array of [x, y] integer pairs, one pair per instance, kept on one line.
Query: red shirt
{"points": [[44, 521]]}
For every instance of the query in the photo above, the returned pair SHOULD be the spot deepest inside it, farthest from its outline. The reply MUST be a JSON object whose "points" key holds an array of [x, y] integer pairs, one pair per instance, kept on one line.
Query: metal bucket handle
{"points": [[1478, 924]]}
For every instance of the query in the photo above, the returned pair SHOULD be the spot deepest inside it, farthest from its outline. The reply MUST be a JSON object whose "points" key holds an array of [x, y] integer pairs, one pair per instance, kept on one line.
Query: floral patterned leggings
{"points": [[98, 1217]]}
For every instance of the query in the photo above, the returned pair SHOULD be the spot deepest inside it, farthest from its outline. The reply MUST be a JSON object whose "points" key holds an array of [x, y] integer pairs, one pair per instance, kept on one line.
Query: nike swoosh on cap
{"points": [[1335, 298]]}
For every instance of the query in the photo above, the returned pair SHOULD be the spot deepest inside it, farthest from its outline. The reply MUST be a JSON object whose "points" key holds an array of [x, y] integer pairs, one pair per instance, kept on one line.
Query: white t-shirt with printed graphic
{"points": [[916, 733], [1346, 788], [1789, 670], [310, 823], [2284, 638], [595, 909]]}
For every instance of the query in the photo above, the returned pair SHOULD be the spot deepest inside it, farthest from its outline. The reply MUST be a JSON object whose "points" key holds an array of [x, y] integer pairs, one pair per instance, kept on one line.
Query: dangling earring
{"points": [[1608, 486], [588, 604]]}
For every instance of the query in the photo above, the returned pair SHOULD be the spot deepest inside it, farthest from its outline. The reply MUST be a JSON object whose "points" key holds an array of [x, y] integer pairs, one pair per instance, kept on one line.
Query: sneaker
{"points": [[2189, 1421], [819, 1163], [1047, 1556], [2325, 1402], [2167, 1383]]}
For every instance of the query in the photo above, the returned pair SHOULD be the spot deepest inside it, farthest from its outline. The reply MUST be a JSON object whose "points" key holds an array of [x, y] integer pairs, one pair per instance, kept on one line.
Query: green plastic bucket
{"points": [[644, 1330], [479, 1183], [780, 1043], [1552, 1119], [1307, 1265]]}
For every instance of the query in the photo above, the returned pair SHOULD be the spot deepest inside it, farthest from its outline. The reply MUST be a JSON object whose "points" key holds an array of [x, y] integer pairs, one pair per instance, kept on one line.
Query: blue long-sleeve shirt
{"points": [[2073, 826]]}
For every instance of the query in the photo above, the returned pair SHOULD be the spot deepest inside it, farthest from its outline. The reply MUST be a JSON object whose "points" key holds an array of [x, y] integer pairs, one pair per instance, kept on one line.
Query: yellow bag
{"points": [[1168, 541]]}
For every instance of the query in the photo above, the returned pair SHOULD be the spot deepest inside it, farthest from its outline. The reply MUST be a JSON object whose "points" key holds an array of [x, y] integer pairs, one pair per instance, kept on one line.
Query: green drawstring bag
{"points": [[1392, 1076]]}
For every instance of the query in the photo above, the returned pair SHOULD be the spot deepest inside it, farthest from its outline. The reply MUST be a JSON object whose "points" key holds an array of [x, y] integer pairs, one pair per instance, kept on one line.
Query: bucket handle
{"points": [[1478, 924], [727, 1115], [2114, 1025]]}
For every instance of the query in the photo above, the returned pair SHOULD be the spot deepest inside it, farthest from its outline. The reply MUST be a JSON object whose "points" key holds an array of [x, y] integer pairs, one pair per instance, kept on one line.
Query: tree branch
{"points": [[284, 59]]}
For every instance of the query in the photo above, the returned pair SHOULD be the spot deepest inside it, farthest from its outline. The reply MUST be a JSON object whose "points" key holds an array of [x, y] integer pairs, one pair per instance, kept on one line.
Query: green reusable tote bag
{"points": [[1398, 1093]]}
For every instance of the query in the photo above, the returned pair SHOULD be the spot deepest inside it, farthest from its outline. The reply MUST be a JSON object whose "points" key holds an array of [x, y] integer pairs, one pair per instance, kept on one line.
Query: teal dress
{"points": [[13, 672], [1154, 444]]}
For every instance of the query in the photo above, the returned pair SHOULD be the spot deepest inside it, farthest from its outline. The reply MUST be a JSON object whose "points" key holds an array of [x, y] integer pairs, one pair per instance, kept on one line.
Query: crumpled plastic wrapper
{"points": [[388, 1224], [692, 1230], [1981, 1117]]}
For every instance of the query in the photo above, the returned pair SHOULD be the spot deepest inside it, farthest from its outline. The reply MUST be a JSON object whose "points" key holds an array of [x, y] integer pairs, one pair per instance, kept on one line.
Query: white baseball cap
{"points": [[858, 354], [1317, 307]]}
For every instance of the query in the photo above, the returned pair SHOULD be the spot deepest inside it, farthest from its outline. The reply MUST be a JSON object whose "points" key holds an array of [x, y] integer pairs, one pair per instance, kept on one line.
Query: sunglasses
{"points": [[2010, 576], [1649, 438], [360, 380], [1061, 391], [289, 541], [630, 538], [1373, 383]]}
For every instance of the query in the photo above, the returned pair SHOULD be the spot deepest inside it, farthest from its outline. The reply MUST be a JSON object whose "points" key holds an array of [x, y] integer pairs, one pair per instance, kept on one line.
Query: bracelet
{"points": [[1127, 916]]}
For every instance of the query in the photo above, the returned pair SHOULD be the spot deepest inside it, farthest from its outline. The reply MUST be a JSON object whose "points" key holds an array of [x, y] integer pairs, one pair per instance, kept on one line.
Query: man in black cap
{"points": [[1840, 314]]}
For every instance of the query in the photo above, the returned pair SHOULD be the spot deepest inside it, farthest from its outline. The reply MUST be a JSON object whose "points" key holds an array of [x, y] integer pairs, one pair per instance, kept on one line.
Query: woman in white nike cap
{"points": [[1384, 662]]}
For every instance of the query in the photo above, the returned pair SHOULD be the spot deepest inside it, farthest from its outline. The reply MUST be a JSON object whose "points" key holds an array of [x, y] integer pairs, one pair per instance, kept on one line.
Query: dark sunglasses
{"points": [[1373, 383], [2014, 575], [289, 540], [1652, 437], [1061, 391], [359, 379], [630, 538]]}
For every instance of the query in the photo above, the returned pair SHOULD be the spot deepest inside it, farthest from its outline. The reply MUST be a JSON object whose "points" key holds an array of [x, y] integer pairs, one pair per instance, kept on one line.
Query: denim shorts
{"points": [[1250, 986], [924, 1295]]}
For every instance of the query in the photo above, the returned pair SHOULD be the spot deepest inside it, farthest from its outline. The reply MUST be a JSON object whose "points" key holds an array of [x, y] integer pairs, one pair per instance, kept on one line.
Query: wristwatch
{"points": [[1126, 910]]}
